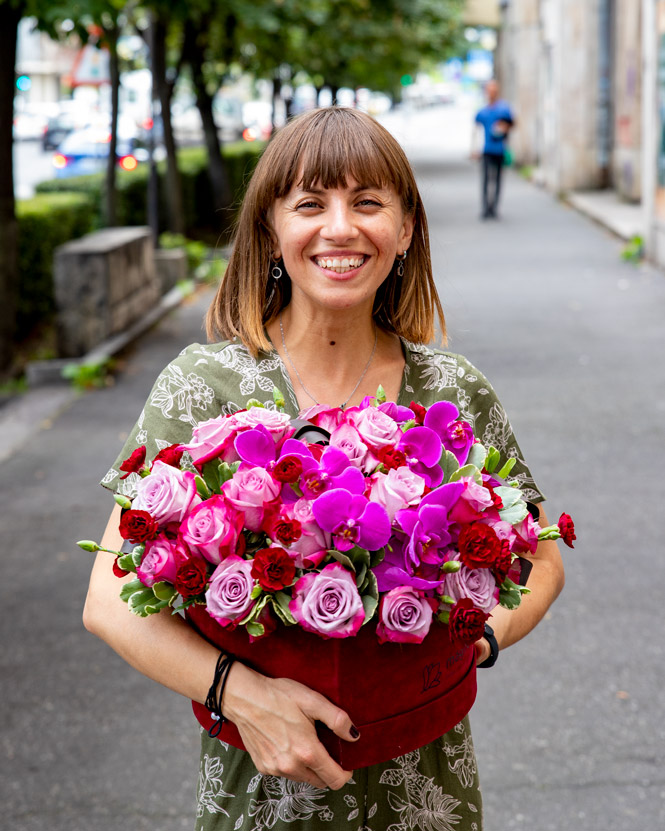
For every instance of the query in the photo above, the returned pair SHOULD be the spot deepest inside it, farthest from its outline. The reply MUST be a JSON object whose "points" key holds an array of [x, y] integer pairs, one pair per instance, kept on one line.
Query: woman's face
{"points": [[339, 244]]}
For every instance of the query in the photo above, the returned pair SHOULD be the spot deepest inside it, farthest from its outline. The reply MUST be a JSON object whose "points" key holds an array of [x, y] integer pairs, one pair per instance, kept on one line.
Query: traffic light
{"points": [[23, 83]]}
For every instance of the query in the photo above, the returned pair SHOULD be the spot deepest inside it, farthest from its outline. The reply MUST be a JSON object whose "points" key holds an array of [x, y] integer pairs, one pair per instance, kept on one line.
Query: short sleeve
{"points": [[181, 397], [480, 406]]}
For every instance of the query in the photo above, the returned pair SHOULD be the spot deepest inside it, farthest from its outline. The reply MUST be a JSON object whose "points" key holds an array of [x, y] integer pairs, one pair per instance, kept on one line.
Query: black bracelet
{"points": [[214, 698], [494, 648]]}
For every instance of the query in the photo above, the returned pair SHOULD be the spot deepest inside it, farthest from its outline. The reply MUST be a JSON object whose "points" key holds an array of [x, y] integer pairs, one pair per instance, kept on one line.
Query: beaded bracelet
{"points": [[214, 698]]}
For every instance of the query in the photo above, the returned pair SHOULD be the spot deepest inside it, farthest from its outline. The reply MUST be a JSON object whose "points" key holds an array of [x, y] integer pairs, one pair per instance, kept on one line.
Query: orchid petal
{"points": [[255, 446], [439, 416], [331, 507], [423, 444], [375, 528]]}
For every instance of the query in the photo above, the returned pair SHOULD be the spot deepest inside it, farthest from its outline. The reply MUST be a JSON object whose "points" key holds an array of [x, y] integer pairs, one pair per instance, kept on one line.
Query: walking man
{"points": [[496, 119]]}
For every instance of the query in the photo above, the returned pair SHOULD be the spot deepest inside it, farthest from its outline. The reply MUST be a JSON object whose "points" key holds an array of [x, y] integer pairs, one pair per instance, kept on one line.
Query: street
{"points": [[568, 725], [31, 166]]}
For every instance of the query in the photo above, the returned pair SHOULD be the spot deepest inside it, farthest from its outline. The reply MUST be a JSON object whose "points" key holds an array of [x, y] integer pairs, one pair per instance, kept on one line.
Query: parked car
{"points": [[86, 151], [71, 115]]}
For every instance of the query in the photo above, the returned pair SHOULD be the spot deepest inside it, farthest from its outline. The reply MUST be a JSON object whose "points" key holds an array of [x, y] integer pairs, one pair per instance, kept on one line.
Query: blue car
{"points": [[86, 151]]}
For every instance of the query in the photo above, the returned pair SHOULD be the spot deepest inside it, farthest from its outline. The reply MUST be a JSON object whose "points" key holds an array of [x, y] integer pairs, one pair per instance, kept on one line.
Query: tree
{"points": [[11, 13]]}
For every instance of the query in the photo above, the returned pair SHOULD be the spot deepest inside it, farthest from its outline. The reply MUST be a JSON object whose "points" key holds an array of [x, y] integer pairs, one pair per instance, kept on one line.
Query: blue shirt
{"points": [[495, 140]]}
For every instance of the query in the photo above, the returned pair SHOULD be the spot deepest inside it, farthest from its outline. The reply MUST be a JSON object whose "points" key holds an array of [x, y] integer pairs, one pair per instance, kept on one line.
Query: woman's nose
{"points": [[338, 224]]}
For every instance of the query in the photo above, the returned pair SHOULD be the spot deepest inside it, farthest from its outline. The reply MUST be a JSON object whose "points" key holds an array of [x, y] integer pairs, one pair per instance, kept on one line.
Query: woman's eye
{"points": [[308, 205], [369, 203]]}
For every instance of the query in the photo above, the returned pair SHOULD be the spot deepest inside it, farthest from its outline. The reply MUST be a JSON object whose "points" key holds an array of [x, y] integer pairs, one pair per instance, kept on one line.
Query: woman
{"points": [[329, 293]]}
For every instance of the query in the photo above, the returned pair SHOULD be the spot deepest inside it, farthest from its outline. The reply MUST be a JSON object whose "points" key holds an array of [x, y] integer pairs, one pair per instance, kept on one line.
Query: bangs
{"points": [[335, 145]]}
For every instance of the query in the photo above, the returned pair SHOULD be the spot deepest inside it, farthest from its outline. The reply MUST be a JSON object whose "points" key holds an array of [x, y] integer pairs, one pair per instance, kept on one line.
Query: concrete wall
{"points": [[627, 155], [103, 283]]}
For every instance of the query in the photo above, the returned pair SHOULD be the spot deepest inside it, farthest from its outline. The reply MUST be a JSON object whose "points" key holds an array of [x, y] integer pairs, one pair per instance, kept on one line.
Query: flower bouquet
{"points": [[358, 551]]}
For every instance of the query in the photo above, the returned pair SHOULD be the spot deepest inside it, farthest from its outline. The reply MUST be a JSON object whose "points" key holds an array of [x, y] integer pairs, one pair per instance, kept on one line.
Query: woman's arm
{"points": [[545, 581], [275, 717]]}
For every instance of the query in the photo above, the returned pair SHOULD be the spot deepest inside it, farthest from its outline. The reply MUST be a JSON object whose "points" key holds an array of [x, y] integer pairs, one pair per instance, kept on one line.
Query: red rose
{"points": [[273, 568], [287, 469], [170, 455], [419, 412], [502, 563], [467, 623], [390, 458], [287, 531], [567, 530], [191, 577], [479, 546], [137, 526], [134, 464]]}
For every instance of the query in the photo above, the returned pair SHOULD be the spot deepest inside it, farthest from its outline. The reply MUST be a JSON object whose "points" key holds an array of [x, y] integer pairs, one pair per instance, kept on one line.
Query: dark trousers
{"points": [[492, 166]]}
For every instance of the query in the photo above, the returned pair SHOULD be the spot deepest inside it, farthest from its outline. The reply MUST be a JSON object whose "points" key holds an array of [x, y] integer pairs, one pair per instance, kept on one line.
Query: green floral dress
{"points": [[434, 788]]}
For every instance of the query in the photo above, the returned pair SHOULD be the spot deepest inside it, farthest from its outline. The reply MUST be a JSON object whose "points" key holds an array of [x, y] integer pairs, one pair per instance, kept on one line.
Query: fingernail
{"points": [[354, 731]]}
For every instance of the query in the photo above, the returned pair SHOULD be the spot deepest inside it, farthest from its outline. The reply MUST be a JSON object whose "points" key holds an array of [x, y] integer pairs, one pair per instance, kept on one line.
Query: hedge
{"points": [[45, 222], [240, 158]]}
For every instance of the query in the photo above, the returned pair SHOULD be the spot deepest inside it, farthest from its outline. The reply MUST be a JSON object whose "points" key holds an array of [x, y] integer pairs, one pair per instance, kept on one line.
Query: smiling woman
{"points": [[329, 294]]}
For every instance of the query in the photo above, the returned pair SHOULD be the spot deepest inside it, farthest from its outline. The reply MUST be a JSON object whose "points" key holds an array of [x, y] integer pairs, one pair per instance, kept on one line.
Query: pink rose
{"points": [[328, 418], [229, 594], [526, 535], [478, 584], [375, 427], [251, 491], [276, 423], [328, 603], [405, 615], [310, 548], [473, 501], [212, 529], [213, 438], [167, 494], [398, 489], [347, 439], [160, 561]]}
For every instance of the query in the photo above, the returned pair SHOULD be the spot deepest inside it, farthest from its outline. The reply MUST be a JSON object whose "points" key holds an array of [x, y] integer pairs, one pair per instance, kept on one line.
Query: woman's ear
{"points": [[406, 233]]}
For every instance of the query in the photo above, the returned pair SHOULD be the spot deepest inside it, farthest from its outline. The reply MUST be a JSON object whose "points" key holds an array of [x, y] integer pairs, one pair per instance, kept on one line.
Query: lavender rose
{"points": [[376, 428], [478, 584], [212, 529], [405, 615], [347, 439], [328, 603], [396, 490], [213, 438], [160, 561], [167, 494], [229, 594]]}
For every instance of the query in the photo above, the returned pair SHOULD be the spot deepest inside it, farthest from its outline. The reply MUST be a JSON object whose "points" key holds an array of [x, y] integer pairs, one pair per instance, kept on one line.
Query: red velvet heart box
{"points": [[400, 696]]}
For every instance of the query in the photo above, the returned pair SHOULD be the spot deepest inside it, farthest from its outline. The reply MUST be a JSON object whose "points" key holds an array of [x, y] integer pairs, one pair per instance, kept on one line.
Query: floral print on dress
{"points": [[287, 801]]}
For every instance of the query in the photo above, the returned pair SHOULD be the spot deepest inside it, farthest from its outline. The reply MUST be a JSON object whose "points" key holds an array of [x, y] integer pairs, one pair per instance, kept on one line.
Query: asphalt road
{"points": [[568, 726]]}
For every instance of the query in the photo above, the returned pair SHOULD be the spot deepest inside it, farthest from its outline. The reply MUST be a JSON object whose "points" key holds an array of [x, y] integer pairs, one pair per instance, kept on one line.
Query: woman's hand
{"points": [[482, 649], [275, 717]]}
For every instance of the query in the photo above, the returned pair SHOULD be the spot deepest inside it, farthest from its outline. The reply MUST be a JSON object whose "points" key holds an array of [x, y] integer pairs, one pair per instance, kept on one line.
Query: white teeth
{"points": [[340, 264]]}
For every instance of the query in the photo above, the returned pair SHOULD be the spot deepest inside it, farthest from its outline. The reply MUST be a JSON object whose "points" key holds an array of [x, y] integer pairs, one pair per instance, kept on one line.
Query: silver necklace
{"points": [[293, 366]]}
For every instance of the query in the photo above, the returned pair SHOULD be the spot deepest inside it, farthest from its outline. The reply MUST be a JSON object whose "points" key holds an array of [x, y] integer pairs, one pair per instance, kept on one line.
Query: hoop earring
{"points": [[400, 265], [276, 272]]}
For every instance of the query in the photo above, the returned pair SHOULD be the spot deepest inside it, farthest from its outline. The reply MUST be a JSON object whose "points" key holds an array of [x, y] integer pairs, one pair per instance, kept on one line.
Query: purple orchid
{"points": [[334, 470], [352, 520], [396, 570], [427, 526], [396, 411], [256, 446], [456, 436], [422, 448]]}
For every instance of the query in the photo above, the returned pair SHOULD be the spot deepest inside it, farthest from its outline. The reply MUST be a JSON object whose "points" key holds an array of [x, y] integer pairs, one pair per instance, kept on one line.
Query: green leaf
{"points": [[164, 591], [123, 501], [468, 471], [376, 557], [408, 424], [255, 629], [202, 488], [510, 594], [342, 558], [257, 591], [505, 470], [448, 464], [509, 496], [477, 456], [129, 588], [380, 395], [369, 605], [141, 599], [226, 471], [254, 402], [278, 398], [280, 602], [372, 586], [492, 460], [360, 577], [515, 513], [127, 563], [359, 556]]}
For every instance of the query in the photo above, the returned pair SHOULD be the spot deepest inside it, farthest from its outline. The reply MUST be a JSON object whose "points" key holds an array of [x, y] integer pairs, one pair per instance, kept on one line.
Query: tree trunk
{"points": [[9, 20], [219, 179], [276, 95], [164, 92], [111, 38]]}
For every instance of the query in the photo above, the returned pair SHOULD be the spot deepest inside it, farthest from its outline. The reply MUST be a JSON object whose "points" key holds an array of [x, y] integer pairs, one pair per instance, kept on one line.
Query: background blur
{"points": [[127, 134]]}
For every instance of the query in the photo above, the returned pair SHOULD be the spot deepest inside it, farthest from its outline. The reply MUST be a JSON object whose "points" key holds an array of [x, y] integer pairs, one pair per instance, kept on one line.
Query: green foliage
{"points": [[240, 159], [84, 376], [45, 222], [633, 251]]}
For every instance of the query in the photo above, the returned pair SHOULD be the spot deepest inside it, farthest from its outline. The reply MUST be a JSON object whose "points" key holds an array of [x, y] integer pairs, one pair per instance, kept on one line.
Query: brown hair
{"points": [[324, 147]]}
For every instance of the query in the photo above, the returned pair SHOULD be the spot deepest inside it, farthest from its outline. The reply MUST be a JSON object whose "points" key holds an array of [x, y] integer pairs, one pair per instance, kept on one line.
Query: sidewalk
{"points": [[624, 219]]}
